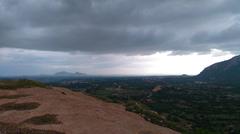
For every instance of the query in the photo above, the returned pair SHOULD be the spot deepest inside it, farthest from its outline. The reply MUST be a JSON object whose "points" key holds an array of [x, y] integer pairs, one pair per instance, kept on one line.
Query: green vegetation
{"points": [[14, 84], [43, 120], [145, 112], [16, 129], [186, 106], [19, 106]]}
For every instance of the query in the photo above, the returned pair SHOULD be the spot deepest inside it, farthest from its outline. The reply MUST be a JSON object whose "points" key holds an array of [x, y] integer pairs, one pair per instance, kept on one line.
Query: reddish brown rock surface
{"points": [[78, 113]]}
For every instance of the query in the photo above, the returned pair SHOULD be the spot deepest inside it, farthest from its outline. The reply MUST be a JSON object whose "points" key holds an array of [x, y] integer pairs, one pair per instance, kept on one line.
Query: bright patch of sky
{"points": [[34, 62]]}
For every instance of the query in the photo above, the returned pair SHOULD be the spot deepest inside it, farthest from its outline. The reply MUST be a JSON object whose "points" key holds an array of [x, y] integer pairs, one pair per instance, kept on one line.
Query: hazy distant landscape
{"points": [[202, 104], [207, 103], [119, 67]]}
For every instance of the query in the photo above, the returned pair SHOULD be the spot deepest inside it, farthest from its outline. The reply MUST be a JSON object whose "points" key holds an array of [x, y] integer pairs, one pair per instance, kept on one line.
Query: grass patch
{"points": [[43, 120], [19, 107], [13, 96], [14, 84], [15, 129], [145, 112]]}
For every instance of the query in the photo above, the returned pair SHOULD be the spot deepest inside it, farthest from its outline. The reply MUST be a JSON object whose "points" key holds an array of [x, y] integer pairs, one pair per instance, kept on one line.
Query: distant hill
{"points": [[69, 74], [226, 72]]}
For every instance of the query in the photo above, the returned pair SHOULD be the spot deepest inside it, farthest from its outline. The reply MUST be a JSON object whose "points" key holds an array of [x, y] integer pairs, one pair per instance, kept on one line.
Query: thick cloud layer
{"points": [[121, 26]]}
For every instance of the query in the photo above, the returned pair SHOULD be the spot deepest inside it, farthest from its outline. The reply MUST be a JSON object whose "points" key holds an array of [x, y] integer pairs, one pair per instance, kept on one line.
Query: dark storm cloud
{"points": [[227, 38], [120, 26]]}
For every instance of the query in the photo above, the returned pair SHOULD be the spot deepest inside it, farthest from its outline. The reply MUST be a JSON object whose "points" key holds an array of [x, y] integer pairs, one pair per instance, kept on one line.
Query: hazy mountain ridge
{"points": [[69, 74], [225, 72]]}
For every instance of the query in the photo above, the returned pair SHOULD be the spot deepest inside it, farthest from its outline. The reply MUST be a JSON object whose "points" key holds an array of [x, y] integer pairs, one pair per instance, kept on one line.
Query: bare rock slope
{"points": [[59, 111]]}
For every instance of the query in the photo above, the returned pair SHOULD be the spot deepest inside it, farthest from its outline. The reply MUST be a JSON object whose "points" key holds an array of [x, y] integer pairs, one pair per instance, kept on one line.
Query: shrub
{"points": [[44, 119], [19, 107]]}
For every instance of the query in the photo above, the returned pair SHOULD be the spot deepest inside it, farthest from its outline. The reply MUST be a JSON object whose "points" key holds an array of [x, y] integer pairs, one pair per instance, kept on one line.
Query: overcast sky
{"points": [[130, 37]]}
